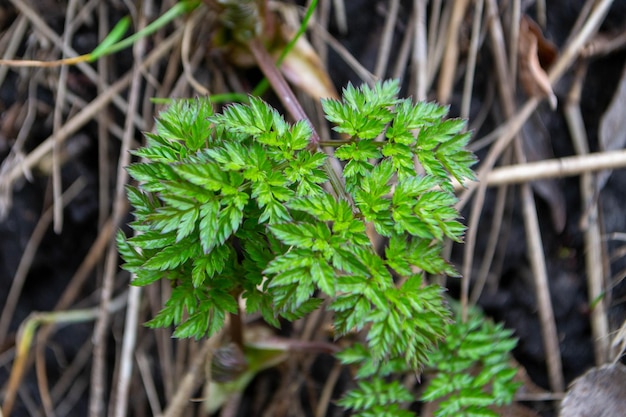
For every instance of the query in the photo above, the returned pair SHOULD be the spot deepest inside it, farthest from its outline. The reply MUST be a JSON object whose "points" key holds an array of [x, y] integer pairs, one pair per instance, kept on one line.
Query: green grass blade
{"points": [[110, 46]]}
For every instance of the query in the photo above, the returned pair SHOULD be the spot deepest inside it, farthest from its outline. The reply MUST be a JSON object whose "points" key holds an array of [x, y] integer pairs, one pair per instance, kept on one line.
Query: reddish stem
{"points": [[280, 86]]}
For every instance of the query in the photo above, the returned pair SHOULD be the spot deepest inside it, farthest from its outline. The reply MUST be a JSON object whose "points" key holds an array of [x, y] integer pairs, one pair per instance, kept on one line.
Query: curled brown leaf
{"points": [[535, 56]]}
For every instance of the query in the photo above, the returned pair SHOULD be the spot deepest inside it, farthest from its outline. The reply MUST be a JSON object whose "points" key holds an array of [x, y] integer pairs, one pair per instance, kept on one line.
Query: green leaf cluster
{"points": [[209, 185], [411, 137], [473, 369], [239, 204], [377, 398]]}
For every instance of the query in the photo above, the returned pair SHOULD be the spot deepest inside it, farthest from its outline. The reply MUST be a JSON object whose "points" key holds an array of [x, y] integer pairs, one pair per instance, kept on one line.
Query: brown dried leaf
{"points": [[303, 67], [534, 50], [547, 52]]}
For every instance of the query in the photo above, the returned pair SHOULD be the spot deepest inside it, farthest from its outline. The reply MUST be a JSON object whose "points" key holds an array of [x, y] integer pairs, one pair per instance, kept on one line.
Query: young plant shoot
{"points": [[240, 205]]}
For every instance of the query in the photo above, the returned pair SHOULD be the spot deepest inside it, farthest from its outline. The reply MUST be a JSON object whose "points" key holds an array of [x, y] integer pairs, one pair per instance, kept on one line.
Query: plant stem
{"points": [[236, 327], [292, 105], [280, 86]]}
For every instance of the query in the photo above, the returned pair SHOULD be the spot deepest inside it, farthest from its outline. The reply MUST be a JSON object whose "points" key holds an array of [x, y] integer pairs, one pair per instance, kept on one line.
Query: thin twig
{"points": [[17, 31], [187, 66], [57, 121], [103, 132], [85, 115], [568, 166], [540, 275], [43, 28], [449, 64], [386, 38], [327, 391], [420, 52], [189, 382], [493, 243], [573, 49], [508, 131], [531, 223], [349, 59], [26, 333], [98, 373], [541, 13], [399, 67], [70, 374], [340, 16], [437, 43], [596, 276], [148, 382], [581, 19], [27, 257], [468, 84], [514, 27]]}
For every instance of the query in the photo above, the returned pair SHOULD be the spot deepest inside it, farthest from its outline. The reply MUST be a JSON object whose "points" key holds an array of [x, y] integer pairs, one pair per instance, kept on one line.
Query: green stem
{"points": [[236, 327]]}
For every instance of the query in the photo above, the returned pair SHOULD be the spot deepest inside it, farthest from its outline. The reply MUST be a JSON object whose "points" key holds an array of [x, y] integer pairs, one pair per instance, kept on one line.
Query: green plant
{"points": [[243, 204], [472, 369]]}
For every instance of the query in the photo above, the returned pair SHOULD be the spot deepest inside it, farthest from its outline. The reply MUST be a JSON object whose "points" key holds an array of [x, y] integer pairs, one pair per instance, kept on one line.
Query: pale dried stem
{"points": [[26, 334], [573, 49], [451, 55], [596, 276], [188, 383], [322, 14], [474, 219], [386, 39], [470, 71], [492, 243], [69, 295], [74, 395], [57, 186], [43, 28], [603, 45], [498, 213], [541, 13], [349, 59], [540, 275], [437, 46], [420, 52], [70, 374], [131, 325], [17, 32], [187, 65], [399, 67], [508, 130], [85, 115], [103, 120], [143, 364], [98, 373], [580, 20], [551, 168], [327, 391], [157, 298], [516, 13], [95, 254], [42, 381], [341, 17], [531, 223]]}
